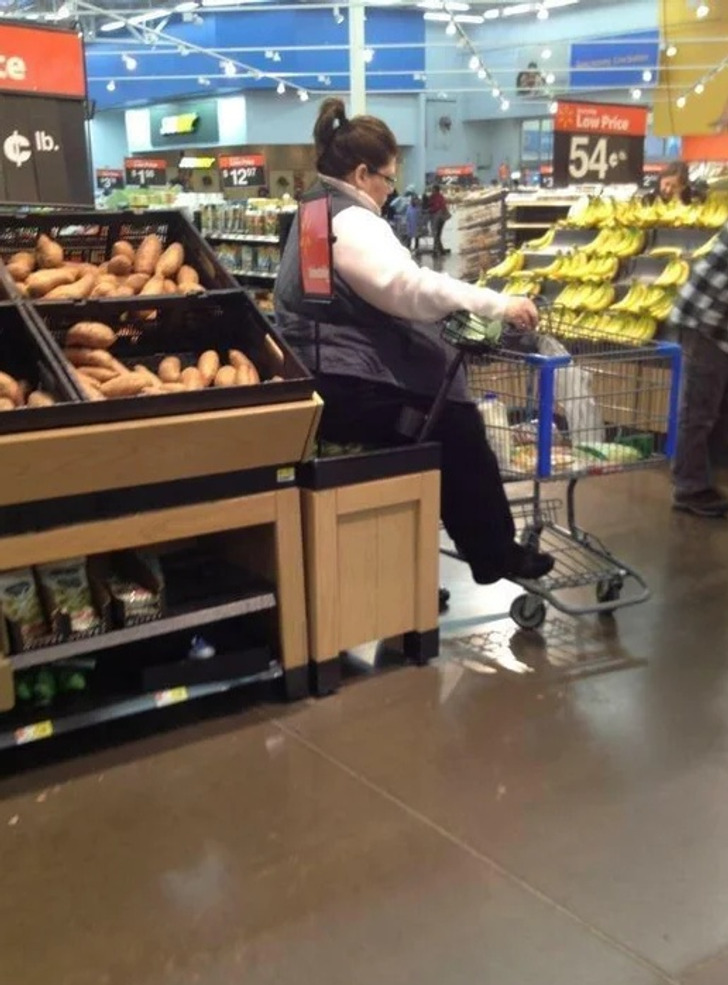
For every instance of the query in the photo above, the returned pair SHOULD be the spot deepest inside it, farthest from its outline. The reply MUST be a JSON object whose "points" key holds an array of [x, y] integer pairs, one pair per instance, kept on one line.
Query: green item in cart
{"points": [[611, 453]]}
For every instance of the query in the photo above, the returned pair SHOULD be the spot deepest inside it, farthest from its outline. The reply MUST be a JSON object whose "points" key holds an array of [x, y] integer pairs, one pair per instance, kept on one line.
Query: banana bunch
{"points": [[593, 211], [675, 273], [618, 241], [603, 327], [508, 266], [586, 297], [666, 251], [523, 285], [580, 266], [705, 248], [714, 211], [646, 299], [543, 241]]}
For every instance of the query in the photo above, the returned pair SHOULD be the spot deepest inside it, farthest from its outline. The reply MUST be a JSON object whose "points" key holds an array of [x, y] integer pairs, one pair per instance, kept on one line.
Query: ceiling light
{"points": [[702, 11], [281, 88], [518, 8], [495, 92], [491, 15], [699, 89], [647, 75], [680, 101], [546, 54], [482, 74], [671, 51], [505, 105], [203, 80], [110, 26], [338, 16], [636, 94], [468, 19], [148, 15], [229, 68], [186, 7], [550, 78], [439, 5], [63, 11], [542, 13], [130, 63], [437, 15], [553, 107], [451, 29], [111, 85], [303, 95], [473, 63], [183, 50]]}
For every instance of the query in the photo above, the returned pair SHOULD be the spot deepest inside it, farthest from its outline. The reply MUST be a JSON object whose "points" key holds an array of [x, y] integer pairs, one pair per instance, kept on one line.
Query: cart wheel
{"points": [[528, 611], [610, 589]]}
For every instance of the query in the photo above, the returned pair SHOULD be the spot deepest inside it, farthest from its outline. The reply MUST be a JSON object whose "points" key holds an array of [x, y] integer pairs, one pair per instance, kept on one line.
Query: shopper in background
{"points": [[377, 350], [673, 184], [440, 213], [701, 313], [413, 216]]}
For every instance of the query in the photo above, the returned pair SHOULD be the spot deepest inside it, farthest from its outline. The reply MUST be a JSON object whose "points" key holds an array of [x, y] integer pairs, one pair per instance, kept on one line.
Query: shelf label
{"points": [[599, 144], [34, 732], [145, 171], [172, 696], [242, 171], [287, 474]]}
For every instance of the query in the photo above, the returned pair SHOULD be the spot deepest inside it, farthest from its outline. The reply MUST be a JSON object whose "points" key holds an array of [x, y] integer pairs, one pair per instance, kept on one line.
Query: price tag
{"points": [[32, 733], [144, 171], [287, 474], [598, 144], [172, 696], [109, 179], [242, 171]]}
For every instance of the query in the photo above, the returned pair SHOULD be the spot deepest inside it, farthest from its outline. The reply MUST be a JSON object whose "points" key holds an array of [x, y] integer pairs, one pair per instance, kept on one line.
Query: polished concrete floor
{"points": [[483, 820]]}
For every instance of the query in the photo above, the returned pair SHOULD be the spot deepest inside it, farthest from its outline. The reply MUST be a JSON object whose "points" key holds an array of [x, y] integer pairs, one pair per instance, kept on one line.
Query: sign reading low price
{"points": [[242, 170], [596, 143], [109, 179], [145, 171]]}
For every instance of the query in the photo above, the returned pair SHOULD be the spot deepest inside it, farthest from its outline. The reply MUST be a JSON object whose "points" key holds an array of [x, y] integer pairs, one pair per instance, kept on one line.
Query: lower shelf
{"points": [[22, 726]]}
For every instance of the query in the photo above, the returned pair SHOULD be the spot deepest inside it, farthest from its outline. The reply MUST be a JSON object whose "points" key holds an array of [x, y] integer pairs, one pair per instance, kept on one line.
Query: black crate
{"points": [[25, 356], [184, 327], [90, 236]]}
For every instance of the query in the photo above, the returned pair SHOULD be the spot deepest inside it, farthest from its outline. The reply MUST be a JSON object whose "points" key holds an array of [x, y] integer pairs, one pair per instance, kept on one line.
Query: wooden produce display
{"points": [[371, 547], [142, 467]]}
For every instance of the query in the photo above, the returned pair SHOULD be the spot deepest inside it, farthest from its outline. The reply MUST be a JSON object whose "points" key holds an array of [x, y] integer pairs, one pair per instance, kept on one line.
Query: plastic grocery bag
{"points": [[575, 393]]}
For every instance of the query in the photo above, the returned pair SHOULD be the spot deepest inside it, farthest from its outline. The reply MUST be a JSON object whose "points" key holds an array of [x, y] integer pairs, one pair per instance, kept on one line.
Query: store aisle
{"points": [[424, 826]]}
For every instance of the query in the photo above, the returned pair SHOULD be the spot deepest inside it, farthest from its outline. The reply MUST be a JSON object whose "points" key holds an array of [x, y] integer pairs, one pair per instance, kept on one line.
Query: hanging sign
{"points": [[242, 170], [596, 143], [145, 171], [109, 179], [44, 61]]}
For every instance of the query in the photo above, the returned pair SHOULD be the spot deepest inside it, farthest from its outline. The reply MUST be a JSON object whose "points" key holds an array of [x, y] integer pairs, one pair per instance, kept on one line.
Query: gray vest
{"points": [[350, 337]]}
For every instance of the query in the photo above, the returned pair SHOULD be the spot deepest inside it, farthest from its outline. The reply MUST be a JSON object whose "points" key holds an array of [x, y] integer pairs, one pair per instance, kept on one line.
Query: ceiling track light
{"points": [[553, 108], [542, 13], [451, 29], [303, 95], [110, 85], [671, 50], [636, 93], [505, 105], [680, 102], [281, 87], [368, 56], [647, 75], [699, 89], [130, 63], [474, 63], [702, 11], [228, 68]]}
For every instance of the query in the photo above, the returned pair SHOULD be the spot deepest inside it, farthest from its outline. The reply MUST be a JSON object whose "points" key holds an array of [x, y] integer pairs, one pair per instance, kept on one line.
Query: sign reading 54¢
{"points": [[599, 144]]}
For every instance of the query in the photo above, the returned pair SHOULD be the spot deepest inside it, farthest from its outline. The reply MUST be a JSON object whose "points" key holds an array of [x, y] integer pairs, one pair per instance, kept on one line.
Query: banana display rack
{"points": [[559, 408]]}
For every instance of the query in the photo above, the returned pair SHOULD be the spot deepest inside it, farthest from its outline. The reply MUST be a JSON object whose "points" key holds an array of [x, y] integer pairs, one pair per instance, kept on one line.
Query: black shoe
{"points": [[707, 502], [443, 599], [522, 564]]}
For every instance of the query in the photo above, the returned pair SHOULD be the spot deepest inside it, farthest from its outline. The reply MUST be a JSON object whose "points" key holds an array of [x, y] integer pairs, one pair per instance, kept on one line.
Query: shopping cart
{"points": [[558, 406]]}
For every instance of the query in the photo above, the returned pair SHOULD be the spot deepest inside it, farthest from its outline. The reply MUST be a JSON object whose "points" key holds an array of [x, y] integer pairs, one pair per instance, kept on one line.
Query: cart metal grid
{"points": [[558, 406]]}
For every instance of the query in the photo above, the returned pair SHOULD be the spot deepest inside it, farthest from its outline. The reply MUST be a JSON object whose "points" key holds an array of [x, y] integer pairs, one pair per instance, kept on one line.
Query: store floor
{"points": [[445, 825]]}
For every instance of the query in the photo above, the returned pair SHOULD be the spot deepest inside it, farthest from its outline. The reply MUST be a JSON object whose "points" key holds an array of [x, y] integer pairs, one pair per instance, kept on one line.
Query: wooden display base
{"points": [[372, 555]]}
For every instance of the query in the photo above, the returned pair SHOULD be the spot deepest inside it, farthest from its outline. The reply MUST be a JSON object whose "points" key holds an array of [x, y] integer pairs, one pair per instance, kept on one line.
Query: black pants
{"points": [[474, 506]]}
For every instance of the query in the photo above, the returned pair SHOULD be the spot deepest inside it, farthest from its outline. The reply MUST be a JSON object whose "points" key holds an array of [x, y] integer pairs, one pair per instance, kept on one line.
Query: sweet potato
{"points": [[123, 248], [247, 373], [10, 388], [123, 291], [91, 334], [43, 281], [136, 282], [104, 289], [89, 387], [22, 289], [173, 388], [48, 253], [126, 385], [20, 265], [79, 356], [6, 404], [192, 378], [170, 261], [155, 285], [39, 399], [73, 292], [187, 275], [102, 374], [208, 365], [170, 287], [148, 254], [120, 265], [170, 370], [152, 379], [225, 376]]}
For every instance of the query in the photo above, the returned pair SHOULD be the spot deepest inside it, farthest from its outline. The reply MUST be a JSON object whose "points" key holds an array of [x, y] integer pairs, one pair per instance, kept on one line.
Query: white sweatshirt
{"points": [[372, 261]]}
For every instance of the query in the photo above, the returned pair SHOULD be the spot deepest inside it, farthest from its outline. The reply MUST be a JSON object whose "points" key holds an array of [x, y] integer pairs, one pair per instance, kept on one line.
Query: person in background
{"points": [[673, 184], [701, 314], [439, 213], [413, 215], [376, 348]]}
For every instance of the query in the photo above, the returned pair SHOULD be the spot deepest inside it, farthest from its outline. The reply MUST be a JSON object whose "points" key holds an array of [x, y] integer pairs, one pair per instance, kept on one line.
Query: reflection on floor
{"points": [[493, 818]]}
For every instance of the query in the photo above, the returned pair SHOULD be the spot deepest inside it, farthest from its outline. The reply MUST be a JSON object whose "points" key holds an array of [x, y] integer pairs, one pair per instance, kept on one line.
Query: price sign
{"points": [[109, 179], [172, 696], [33, 733], [145, 171], [596, 143], [242, 170]]}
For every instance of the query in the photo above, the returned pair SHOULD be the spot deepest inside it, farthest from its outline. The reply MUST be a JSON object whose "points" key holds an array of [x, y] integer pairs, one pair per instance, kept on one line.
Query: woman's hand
{"points": [[521, 312]]}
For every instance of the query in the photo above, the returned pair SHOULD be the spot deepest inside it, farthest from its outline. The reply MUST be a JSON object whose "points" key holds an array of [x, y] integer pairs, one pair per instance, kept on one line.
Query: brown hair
{"points": [[342, 145], [676, 169]]}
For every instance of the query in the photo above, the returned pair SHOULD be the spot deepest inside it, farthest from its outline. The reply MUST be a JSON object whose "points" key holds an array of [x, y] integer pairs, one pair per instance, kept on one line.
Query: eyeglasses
{"points": [[392, 182]]}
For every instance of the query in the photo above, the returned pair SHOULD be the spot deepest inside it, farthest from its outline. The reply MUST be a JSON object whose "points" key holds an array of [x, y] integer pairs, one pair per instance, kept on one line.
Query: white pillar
{"points": [[357, 42]]}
